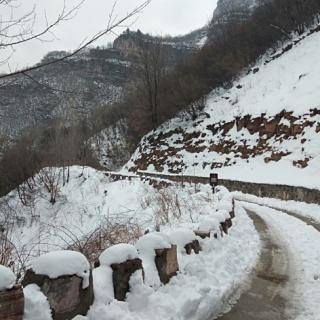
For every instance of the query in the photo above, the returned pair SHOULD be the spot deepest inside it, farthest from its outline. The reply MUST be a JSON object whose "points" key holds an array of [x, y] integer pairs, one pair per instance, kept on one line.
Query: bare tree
{"points": [[16, 30], [152, 67]]}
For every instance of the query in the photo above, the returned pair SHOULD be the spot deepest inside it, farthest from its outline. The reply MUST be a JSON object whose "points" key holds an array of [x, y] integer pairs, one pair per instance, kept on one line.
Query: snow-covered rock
{"points": [[181, 237], [118, 253], [62, 263], [151, 241]]}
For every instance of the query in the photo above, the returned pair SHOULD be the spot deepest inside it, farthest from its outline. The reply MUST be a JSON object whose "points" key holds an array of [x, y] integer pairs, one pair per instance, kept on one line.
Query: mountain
{"points": [[228, 10], [75, 87], [266, 128]]}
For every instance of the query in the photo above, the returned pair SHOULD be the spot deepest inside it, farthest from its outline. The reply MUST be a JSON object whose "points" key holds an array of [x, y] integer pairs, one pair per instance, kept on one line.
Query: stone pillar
{"points": [[12, 304], [65, 294], [121, 276], [167, 263], [194, 245]]}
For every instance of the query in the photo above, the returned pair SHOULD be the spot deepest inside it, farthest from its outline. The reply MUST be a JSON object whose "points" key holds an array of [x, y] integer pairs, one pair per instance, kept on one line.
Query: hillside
{"points": [[264, 129], [74, 88]]}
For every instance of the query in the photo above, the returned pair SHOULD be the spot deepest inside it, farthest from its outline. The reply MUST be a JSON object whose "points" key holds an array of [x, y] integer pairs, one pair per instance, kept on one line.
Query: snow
{"points": [[103, 285], [204, 282], [89, 200], [146, 246], [36, 305], [181, 237], [118, 254], [62, 263], [303, 243], [290, 83], [152, 241], [308, 210], [7, 278], [202, 286], [212, 222]]}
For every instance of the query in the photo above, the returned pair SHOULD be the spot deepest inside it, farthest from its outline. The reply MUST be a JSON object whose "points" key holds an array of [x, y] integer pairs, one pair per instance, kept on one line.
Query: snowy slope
{"points": [[91, 200], [266, 128]]}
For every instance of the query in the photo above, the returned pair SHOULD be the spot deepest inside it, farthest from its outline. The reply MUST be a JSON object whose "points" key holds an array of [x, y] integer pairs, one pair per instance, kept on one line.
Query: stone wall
{"points": [[283, 192]]}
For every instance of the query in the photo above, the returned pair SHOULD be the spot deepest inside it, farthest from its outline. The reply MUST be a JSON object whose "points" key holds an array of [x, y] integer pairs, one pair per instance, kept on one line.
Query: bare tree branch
{"points": [[113, 23]]}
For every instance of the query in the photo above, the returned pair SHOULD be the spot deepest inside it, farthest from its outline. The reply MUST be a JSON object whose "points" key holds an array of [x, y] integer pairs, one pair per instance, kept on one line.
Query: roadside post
{"points": [[214, 181]]}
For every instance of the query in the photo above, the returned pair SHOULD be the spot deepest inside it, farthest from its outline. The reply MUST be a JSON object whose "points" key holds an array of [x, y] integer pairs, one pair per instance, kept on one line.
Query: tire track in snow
{"points": [[309, 221], [302, 242], [264, 299]]}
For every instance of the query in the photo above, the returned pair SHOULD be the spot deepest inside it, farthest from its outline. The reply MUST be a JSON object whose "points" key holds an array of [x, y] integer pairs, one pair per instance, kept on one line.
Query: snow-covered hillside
{"points": [[93, 204], [266, 128]]}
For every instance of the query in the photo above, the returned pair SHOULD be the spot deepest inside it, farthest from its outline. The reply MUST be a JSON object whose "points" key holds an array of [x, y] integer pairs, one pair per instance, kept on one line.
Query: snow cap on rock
{"points": [[7, 278], [153, 241], [56, 264], [118, 253], [181, 236]]}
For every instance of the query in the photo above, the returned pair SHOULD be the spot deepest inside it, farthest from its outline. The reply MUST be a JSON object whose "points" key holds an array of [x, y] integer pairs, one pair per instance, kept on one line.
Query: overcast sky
{"points": [[162, 17]]}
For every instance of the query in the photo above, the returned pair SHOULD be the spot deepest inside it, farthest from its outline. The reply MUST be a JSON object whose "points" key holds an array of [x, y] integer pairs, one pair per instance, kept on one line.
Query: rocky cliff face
{"points": [[70, 89], [233, 9], [74, 88]]}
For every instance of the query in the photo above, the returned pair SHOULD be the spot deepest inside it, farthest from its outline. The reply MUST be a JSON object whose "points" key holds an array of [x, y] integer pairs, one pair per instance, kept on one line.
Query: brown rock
{"points": [[270, 128], [167, 263], [229, 223], [227, 127], [202, 234], [232, 212], [122, 273], [12, 304], [296, 129], [65, 294], [224, 226], [193, 246]]}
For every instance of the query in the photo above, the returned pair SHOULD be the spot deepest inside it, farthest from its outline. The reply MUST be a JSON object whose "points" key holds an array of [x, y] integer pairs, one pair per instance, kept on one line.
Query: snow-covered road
{"points": [[292, 249], [267, 295]]}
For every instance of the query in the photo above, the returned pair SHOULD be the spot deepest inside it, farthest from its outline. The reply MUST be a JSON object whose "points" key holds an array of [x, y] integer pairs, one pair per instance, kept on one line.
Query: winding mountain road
{"points": [[285, 283], [264, 300]]}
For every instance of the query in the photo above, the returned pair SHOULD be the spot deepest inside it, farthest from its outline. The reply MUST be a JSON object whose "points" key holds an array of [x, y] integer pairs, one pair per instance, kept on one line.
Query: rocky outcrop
{"points": [[244, 138]]}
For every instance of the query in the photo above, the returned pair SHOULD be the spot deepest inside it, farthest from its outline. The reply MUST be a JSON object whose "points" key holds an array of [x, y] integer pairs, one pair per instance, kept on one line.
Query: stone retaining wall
{"points": [[283, 192]]}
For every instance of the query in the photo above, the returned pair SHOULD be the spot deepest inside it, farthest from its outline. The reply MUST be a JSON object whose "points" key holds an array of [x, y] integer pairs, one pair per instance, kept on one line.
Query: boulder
{"points": [[121, 276], [167, 263], [65, 294], [12, 304]]}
